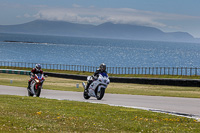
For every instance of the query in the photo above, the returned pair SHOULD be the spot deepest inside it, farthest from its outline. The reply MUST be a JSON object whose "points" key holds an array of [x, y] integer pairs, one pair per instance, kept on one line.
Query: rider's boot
{"points": [[88, 84], [86, 88]]}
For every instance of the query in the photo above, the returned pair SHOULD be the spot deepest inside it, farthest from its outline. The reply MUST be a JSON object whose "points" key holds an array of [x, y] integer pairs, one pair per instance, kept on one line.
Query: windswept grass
{"points": [[32, 114], [117, 88]]}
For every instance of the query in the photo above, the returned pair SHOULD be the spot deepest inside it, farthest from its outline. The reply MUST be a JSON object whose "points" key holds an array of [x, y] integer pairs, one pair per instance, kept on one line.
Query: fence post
{"points": [[125, 70], [156, 70], [181, 71], [168, 70], [195, 71], [149, 70], [142, 70], [164, 70], [135, 70], [145, 70], [186, 71], [177, 70]]}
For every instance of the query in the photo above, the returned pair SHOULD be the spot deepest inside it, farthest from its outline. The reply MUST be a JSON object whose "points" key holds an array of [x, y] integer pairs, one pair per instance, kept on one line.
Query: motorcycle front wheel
{"points": [[100, 93], [38, 91], [30, 94], [85, 95]]}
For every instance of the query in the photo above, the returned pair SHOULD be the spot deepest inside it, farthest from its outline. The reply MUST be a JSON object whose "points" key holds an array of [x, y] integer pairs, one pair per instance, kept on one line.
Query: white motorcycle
{"points": [[97, 87]]}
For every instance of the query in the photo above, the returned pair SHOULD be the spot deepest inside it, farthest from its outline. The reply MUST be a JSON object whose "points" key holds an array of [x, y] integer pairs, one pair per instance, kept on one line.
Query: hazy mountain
{"points": [[46, 27], [105, 30]]}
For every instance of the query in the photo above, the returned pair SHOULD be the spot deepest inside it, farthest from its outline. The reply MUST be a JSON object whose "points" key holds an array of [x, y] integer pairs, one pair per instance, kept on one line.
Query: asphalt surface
{"points": [[188, 107]]}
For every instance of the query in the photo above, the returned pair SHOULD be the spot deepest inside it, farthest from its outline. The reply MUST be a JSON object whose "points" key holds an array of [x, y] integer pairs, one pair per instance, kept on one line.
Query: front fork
{"points": [[38, 85], [84, 86]]}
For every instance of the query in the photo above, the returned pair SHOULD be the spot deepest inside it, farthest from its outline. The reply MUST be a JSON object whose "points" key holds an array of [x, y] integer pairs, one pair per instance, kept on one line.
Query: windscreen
{"points": [[104, 74]]}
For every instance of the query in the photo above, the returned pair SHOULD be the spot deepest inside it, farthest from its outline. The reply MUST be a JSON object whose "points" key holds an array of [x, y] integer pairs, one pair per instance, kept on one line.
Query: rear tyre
{"points": [[100, 94]]}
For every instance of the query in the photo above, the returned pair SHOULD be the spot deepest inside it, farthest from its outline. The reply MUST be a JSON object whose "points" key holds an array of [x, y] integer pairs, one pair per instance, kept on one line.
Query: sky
{"points": [[166, 15]]}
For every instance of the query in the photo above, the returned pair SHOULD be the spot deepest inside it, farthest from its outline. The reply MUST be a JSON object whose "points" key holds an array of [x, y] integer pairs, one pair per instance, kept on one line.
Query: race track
{"points": [[189, 107]]}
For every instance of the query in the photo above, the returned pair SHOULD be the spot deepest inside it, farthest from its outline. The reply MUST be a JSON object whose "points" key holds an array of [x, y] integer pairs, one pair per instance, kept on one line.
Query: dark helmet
{"points": [[102, 67], [38, 67]]}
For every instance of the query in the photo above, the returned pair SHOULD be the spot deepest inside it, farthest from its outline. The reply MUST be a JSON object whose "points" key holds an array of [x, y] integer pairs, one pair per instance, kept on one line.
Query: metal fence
{"points": [[189, 71]]}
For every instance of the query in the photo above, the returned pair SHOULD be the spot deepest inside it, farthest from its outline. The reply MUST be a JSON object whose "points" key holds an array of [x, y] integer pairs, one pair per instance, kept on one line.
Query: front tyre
{"points": [[30, 94], [85, 95], [100, 93], [38, 91]]}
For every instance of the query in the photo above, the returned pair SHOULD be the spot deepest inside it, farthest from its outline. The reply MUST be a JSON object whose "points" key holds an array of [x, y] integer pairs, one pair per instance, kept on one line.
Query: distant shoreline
{"points": [[20, 41]]}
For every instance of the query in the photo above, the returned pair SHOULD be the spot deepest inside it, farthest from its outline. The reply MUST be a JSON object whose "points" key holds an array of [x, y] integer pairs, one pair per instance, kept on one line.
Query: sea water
{"points": [[94, 51]]}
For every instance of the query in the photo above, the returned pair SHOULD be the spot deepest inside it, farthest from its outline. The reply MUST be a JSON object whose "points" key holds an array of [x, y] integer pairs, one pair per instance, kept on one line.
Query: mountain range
{"points": [[105, 30]]}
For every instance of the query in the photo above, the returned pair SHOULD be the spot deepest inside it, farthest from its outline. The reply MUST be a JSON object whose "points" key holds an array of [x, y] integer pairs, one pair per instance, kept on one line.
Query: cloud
{"points": [[94, 15], [76, 5], [26, 15]]}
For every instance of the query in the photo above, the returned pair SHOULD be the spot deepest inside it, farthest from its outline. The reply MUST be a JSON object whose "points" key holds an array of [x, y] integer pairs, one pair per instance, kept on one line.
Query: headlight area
{"points": [[37, 80]]}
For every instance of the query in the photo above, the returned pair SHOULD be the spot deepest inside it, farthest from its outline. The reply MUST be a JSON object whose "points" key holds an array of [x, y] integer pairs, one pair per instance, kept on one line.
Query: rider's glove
{"points": [[94, 77]]}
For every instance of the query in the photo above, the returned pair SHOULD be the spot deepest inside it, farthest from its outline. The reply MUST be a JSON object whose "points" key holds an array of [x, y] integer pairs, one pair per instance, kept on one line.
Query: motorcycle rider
{"points": [[101, 70], [34, 71]]}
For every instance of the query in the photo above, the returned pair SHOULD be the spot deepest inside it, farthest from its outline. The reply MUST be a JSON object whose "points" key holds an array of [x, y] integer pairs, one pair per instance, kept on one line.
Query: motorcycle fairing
{"points": [[32, 86]]}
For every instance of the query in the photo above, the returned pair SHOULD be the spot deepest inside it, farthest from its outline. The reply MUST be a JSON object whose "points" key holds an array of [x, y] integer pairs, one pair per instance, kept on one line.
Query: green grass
{"points": [[116, 88], [111, 75], [32, 114]]}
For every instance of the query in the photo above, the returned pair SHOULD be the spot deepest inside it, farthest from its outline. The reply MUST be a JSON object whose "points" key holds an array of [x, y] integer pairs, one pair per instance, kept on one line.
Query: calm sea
{"points": [[92, 51]]}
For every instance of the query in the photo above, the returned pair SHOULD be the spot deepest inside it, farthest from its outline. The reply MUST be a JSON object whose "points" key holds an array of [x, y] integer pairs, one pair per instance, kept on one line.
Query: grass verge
{"points": [[116, 88], [31, 114]]}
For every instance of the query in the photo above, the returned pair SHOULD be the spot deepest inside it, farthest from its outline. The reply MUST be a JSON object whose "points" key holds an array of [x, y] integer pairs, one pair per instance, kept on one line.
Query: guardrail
{"points": [[10, 71], [151, 81], [188, 71]]}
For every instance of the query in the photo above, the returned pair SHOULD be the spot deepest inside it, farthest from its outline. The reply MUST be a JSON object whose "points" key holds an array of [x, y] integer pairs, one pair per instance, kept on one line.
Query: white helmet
{"points": [[38, 67]]}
